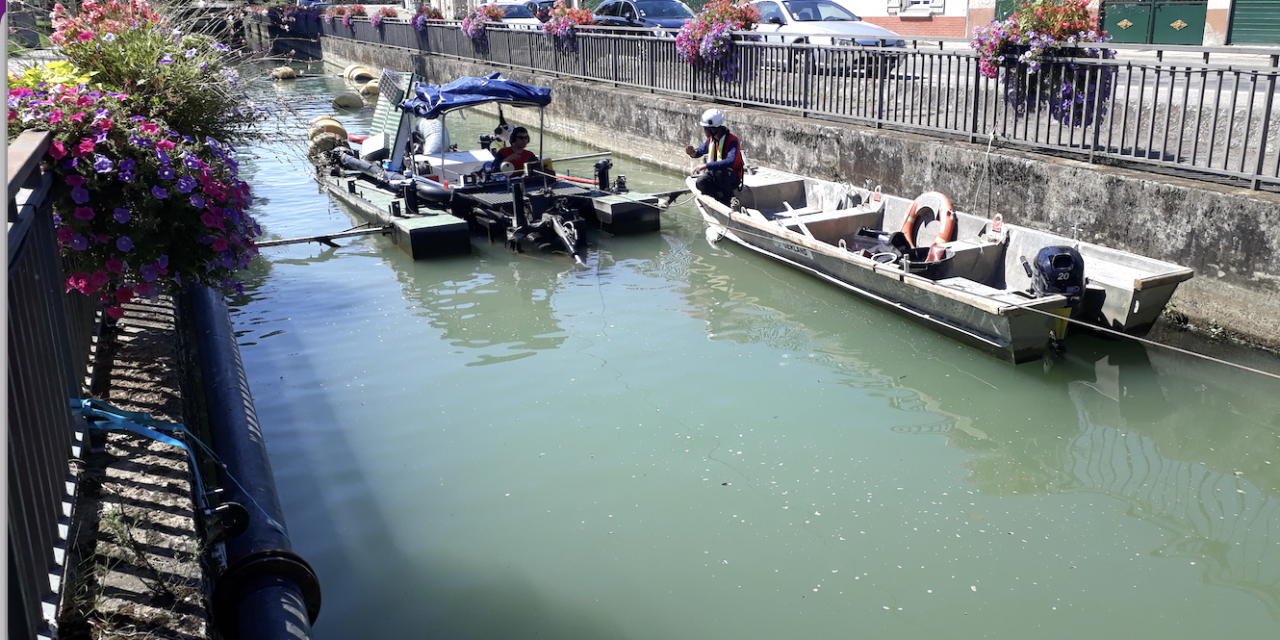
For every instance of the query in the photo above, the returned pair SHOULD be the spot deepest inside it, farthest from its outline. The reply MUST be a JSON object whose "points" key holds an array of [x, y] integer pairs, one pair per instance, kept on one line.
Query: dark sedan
{"points": [[658, 14]]}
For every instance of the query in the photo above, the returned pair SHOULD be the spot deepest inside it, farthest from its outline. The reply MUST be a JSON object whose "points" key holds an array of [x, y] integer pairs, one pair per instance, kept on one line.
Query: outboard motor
{"points": [[1058, 270]]}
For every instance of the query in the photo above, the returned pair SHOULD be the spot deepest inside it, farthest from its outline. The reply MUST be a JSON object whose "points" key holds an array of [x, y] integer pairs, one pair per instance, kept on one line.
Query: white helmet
{"points": [[712, 118]]}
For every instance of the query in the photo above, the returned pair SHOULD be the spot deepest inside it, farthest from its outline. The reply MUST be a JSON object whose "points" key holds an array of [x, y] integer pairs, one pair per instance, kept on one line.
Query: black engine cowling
{"points": [[1058, 271]]}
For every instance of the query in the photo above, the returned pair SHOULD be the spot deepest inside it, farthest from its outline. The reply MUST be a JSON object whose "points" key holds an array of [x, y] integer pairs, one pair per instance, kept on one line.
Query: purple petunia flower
{"points": [[80, 195], [127, 164], [190, 161], [121, 215], [70, 163], [163, 157], [123, 243], [159, 193], [101, 163], [220, 47], [139, 141], [109, 37], [197, 201], [163, 262], [190, 53], [186, 184], [149, 272], [167, 173], [125, 176], [79, 242], [166, 59]]}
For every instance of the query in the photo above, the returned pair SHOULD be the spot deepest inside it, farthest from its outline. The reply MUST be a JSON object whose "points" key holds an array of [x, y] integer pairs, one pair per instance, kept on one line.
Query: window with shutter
{"points": [[915, 7]]}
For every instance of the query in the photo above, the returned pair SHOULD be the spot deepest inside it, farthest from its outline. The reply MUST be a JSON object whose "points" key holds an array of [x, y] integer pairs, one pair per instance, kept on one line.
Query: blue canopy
{"points": [[430, 100]]}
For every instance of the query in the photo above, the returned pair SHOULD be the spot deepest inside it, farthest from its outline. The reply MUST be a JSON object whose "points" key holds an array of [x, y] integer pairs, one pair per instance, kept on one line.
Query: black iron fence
{"points": [[1130, 104], [50, 335]]}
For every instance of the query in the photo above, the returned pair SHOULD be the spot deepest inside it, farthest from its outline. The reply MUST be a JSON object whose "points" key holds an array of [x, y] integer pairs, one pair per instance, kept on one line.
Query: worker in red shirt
{"points": [[516, 154]]}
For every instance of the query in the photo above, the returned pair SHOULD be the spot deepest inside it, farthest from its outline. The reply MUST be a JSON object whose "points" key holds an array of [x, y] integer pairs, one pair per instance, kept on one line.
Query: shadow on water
{"points": [[435, 596]]}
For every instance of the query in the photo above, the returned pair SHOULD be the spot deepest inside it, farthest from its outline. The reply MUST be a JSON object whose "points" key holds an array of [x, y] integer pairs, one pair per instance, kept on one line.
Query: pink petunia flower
{"points": [[220, 244], [84, 149], [115, 312], [83, 213], [57, 149], [124, 294], [114, 266], [149, 127], [164, 145], [74, 180]]}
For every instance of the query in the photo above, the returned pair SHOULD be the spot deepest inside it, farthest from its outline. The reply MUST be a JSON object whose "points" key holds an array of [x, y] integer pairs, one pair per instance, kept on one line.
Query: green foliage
{"points": [[181, 77]]}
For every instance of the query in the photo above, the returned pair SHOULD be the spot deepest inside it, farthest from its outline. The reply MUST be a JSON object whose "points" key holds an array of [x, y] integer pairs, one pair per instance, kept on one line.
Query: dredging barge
{"points": [[408, 182]]}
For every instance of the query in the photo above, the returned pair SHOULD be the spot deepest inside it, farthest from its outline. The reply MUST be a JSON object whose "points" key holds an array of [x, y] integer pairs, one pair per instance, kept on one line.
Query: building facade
{"points": [[1254, 23]]}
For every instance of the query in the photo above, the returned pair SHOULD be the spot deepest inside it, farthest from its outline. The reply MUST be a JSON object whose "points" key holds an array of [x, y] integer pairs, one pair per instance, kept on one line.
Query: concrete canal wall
{"points": [[1229, 235]]}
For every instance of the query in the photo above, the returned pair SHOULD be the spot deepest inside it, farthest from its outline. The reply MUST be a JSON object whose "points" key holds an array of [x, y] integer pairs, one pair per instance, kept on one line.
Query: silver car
{"points": [[827, 23]]}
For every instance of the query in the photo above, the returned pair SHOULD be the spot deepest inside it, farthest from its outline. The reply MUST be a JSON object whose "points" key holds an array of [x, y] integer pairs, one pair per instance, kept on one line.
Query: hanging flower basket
{"points": [[424, 14], [562, 28], [706, 41], [1025, 52], [147, 198], [380, 15], [353, 11], [474, 27]]}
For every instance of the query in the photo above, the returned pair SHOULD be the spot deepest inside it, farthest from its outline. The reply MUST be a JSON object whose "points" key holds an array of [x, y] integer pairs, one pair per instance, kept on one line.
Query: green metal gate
{"points": [[1255, 22], [1006, 8], [1156, 21]]}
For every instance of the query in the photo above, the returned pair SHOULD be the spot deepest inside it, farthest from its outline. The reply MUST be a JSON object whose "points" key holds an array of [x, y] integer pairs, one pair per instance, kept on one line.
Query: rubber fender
{"points": [[284, 73], [370, 88], [318, 119], [327, 127], [357, 73], [324, 143], [348, 101]]}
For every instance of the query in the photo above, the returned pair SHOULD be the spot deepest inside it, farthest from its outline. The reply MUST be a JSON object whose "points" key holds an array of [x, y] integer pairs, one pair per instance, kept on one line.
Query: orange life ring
{"points": [[940, 206]]}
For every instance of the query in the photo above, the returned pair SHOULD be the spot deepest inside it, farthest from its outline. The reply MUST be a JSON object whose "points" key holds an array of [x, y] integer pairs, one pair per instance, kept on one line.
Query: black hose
{"points": [[267, 592], [429, 191]]}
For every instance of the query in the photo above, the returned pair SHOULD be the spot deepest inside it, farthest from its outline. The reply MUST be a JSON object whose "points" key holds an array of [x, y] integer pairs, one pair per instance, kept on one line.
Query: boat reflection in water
{"points": [[504, 304], [1150, 435]]}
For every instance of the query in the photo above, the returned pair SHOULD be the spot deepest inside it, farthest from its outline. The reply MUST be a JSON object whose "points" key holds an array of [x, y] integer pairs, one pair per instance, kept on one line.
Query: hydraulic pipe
{"points": [[267, 592], [425, 189]]}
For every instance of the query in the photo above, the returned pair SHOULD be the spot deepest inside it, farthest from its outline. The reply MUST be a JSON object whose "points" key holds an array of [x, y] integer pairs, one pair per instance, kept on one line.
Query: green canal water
{"points": [[685, 441]]}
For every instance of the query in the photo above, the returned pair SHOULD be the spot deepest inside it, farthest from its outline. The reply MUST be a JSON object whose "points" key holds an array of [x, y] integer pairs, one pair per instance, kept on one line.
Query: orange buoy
{"points": [[937, 204]]}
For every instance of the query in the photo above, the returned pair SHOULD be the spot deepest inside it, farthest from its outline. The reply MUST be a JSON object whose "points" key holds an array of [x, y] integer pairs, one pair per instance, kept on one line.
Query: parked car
{"points": [[657, 14], [825, 22], [516, 16], [541, 9]]}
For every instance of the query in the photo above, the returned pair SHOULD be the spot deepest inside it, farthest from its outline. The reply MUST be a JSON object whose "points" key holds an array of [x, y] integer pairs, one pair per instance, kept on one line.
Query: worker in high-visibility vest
{"points": [[721, 174]]}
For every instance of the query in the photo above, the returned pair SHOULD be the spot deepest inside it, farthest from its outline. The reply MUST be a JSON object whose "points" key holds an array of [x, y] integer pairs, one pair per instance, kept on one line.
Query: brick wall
{"points": [[928, 26]]}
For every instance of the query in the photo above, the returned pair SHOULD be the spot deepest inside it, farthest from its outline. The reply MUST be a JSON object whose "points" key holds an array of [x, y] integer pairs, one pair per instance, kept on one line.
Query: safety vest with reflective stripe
{"points": [[719, 150]]}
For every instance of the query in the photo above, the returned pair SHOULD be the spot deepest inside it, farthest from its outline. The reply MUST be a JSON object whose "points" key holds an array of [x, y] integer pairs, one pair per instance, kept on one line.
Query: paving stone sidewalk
{"points": [[135, 567]]}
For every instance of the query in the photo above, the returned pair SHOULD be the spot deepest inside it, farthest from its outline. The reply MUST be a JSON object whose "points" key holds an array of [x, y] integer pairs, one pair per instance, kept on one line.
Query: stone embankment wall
{"points": [[1229, 235]]}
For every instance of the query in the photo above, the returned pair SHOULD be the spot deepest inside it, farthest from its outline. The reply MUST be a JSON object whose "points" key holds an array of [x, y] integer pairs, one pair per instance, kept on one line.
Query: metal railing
{"points": [[1129, 105], [50, 334]]}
